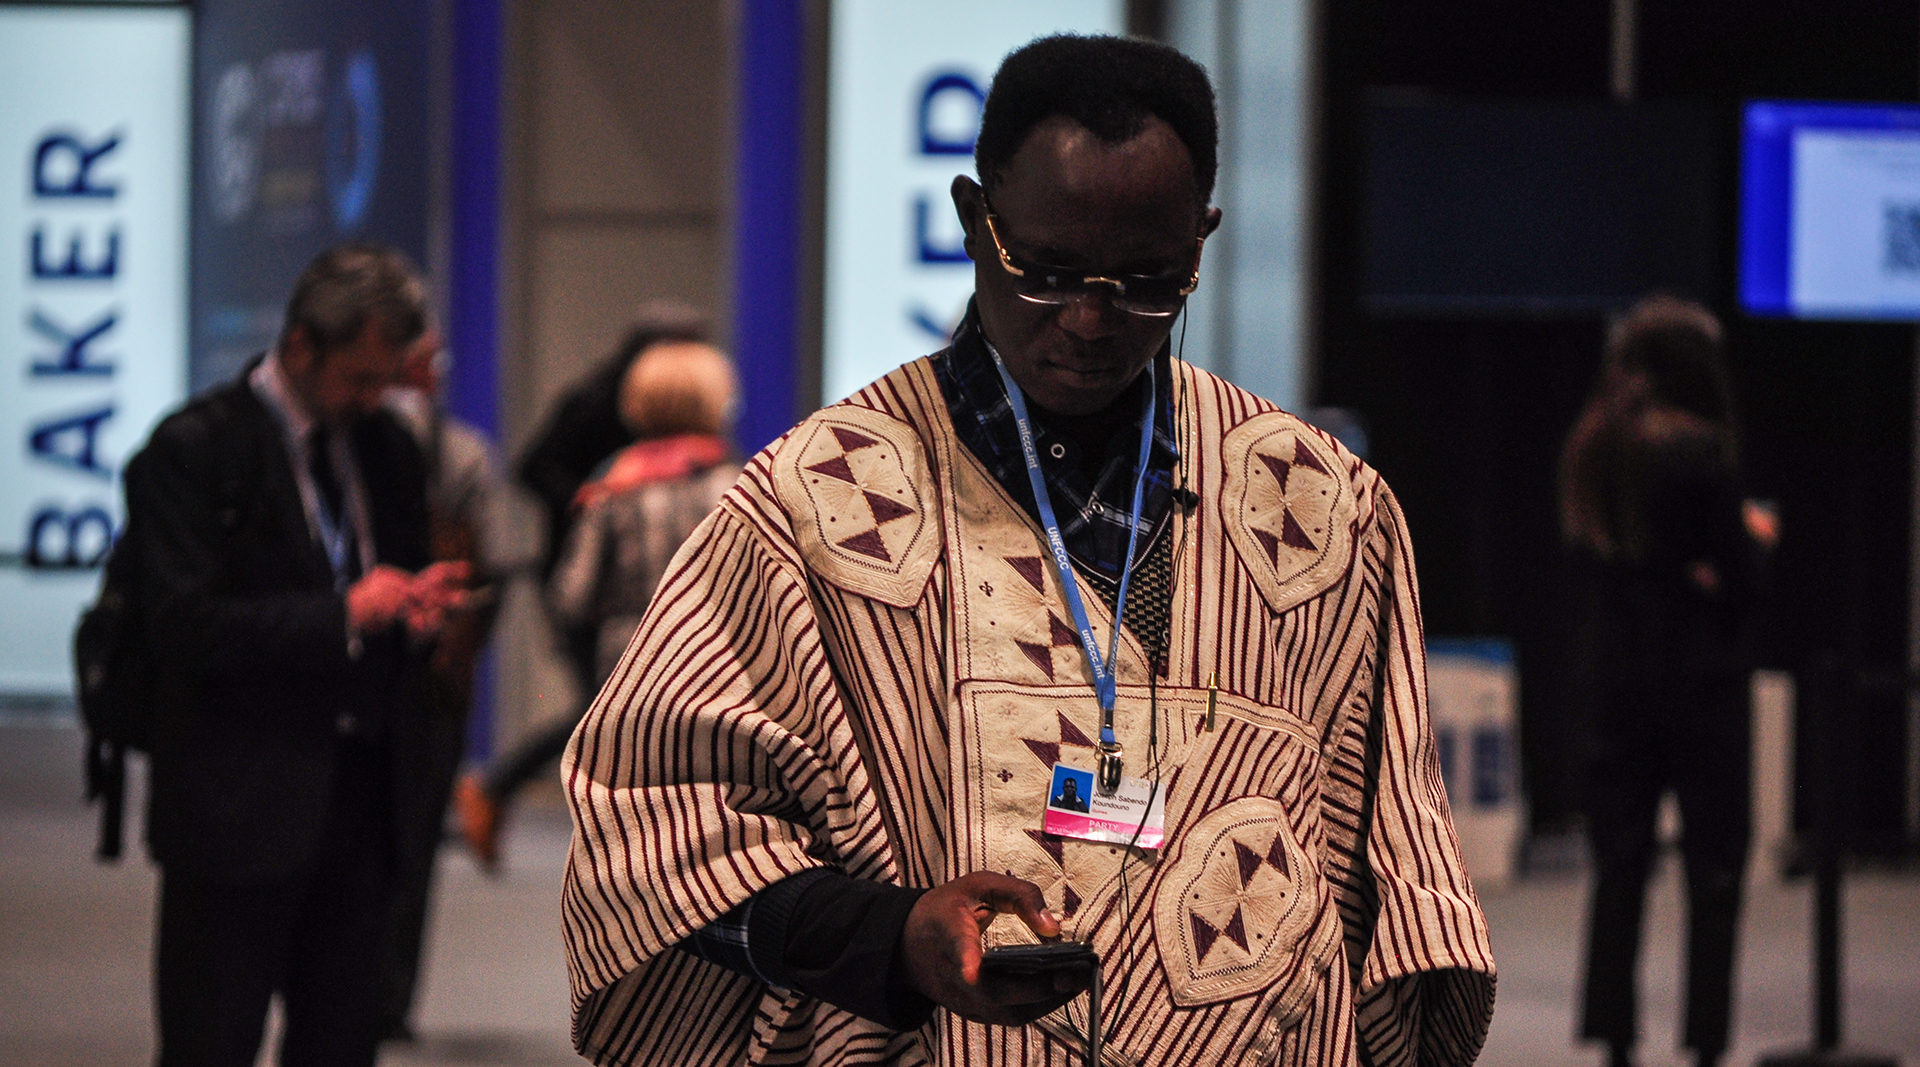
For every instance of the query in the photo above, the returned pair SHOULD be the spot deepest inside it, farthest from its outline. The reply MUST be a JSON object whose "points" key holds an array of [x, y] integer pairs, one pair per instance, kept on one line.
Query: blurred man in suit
{"points": [[279, 524]]}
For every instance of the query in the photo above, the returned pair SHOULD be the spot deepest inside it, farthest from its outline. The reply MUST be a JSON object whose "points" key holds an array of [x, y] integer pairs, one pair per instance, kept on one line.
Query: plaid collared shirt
{"points": [[1093, 514]]}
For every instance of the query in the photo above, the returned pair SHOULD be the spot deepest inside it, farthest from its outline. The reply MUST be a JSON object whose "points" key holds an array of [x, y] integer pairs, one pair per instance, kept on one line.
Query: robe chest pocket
{"points": [[1241, 911]]}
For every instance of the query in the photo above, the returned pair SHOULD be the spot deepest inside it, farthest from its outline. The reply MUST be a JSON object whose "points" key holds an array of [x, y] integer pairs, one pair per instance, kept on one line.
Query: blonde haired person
{"points": [[676, 388], [678, 400]]}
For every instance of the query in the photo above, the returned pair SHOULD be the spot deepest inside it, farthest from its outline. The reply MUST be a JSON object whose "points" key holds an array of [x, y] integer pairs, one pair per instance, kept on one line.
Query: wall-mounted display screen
{"points": [[1830, 210], [1483, 207], [904, 91], [93, 213], [312, 129]]}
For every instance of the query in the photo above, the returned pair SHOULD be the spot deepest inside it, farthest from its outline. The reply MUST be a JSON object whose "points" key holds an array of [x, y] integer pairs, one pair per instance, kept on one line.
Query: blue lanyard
{"points": [[335, 537], [336, 531], [1103, 683]]}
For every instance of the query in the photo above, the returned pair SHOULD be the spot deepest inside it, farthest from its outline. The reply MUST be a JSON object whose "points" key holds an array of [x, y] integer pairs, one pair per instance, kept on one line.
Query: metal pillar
{"points": [[1913, 620]]}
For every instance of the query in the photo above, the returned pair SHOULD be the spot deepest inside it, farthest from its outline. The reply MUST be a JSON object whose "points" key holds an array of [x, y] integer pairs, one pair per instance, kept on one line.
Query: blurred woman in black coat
{"points": [[581, 432], [583, 428], [1651, 501]]}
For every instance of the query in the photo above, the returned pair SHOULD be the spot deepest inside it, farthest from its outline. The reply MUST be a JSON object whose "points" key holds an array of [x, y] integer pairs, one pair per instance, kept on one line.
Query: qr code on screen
{"points": [[1901, 237]]}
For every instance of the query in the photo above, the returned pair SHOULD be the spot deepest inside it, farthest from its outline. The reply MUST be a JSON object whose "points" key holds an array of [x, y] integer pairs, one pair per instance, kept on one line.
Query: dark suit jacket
{"points": [[251, 638]]}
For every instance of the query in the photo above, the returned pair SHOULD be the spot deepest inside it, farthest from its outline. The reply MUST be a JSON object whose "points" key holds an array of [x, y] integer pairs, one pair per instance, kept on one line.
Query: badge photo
{"points": [[1133, 815]]}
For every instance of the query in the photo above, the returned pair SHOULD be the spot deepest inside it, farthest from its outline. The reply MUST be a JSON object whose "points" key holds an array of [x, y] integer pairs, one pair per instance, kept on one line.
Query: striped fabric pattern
{"points": [[767, 719]]}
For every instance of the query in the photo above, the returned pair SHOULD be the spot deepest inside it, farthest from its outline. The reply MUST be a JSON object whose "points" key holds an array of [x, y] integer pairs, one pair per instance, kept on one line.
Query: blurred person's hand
{"points": [[379, 598], [1762, 520], [432, 593]]}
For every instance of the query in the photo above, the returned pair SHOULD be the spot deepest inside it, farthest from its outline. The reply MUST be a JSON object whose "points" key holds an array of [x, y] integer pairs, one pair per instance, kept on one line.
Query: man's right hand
{"points": [[378, 599], [941, 944]]}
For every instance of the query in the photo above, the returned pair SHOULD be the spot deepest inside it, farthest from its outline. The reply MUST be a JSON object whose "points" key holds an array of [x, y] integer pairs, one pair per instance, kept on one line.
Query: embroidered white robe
{"points": [[863, 659]]}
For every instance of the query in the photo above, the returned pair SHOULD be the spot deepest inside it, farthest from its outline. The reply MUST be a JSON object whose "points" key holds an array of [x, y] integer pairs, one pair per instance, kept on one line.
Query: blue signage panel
{"points": [[312, 126]]}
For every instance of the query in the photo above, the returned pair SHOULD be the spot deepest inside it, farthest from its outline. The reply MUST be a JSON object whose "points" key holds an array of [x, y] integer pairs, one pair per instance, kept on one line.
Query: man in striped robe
{"points": [[819, 774]]}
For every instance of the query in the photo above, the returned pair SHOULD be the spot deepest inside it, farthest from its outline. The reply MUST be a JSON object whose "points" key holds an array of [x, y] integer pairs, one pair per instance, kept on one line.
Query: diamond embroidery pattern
{"points": [[1061, 636], [1022, 615], [1244, 886], [1051, 844], [1290, 499], [1029, 567], [861, 494], [1048, 751]]}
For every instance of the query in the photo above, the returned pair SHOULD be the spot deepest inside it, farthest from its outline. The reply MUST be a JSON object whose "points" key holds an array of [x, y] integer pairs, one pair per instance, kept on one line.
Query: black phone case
{"points": [[1039, 959]]}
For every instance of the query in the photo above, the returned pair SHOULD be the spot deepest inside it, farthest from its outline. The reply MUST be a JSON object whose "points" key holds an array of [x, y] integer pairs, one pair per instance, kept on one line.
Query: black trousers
{"points": [[1690, 736], [423, 814], [315, 937], [528, 760], [510, 771]]}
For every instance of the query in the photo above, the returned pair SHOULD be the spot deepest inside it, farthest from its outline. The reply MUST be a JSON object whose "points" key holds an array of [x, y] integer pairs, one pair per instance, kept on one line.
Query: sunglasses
{"points": [[1148, 295]]}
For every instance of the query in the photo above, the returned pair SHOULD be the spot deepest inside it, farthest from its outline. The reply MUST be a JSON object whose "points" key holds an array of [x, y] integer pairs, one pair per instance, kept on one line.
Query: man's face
{"points": [[1068, 199], [420, 364], [341, 385]]}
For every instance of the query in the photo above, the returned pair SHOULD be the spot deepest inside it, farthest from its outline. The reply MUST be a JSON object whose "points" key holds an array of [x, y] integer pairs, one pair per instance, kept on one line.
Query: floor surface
{"points": [[75, 938]]}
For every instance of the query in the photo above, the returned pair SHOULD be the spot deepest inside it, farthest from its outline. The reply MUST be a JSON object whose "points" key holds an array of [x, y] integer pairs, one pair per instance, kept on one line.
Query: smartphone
{"points": [[1028, 960], [1024, 961]]}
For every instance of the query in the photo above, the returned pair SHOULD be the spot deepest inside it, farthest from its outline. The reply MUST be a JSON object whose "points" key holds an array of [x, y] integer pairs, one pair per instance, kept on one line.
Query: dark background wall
{"points": [[1467, 413]]}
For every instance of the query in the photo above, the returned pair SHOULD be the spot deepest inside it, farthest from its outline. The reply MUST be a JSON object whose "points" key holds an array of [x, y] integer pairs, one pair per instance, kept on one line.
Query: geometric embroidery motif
{"points": [[1048, 751], [1056, 851], [1029, 567], [1024, 612], [1239, 906], [852, 440], [1051, 844], [1278, 503], [1289, 507], [859, 489], [856, 486], [1256, 881], [1060, 635]]}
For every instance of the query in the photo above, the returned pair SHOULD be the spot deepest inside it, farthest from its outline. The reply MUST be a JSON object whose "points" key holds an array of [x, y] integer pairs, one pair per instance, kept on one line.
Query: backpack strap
{"points": [[99, 643], [107, 783], [114, 706]]}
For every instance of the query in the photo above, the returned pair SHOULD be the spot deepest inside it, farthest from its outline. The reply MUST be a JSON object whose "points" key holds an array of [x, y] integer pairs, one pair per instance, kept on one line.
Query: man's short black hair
{"points": [[350, 285], [1110, 85]]}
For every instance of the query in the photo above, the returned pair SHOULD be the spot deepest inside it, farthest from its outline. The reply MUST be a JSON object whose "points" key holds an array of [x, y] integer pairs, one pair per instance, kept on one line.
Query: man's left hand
{"points": [[433, 592]]}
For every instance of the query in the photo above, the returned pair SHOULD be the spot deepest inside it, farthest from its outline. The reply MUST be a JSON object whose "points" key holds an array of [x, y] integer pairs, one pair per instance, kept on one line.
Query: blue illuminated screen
{"points": [[1830, 211]]}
